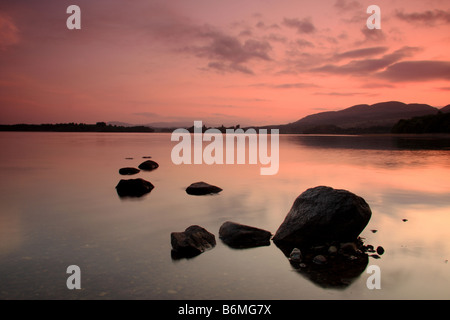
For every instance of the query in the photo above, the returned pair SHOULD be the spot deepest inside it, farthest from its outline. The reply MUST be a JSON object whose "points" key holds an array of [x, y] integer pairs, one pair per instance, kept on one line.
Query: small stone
{"points": [[128, 171], [332, 250], [148, 165], [374, 230], [348, 247], [375, 256], [193, 241], [380, 250], [296, 255], [202, 188], [133, 187], [320, 259], [404, 220]]}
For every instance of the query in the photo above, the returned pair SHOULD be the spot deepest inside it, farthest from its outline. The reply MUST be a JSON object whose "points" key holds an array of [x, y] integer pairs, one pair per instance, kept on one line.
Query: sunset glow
{"points": [[222, 62]]}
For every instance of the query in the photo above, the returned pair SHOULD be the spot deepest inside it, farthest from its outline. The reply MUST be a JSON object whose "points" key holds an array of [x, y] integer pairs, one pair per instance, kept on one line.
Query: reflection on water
{"points": [[59, 207]]}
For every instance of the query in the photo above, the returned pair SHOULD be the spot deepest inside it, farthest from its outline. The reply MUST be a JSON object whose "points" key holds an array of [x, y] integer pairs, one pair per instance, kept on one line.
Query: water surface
{"points": [[59, 207]]}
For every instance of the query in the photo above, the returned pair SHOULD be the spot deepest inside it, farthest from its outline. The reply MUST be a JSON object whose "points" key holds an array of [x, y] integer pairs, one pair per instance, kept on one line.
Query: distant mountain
{"points": [[155, 126], [445, 109], [177, 124], [363, 118]]}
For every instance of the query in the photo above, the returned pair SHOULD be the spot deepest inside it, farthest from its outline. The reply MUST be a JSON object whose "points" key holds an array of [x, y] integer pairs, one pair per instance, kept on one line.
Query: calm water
{"points": [[59, 207]]}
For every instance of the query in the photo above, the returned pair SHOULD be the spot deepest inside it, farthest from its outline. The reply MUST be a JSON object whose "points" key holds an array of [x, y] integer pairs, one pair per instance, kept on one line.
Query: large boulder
{"points": [[148, 165], [133, 187], [323, 215], [193, 241], [202, 188], [238, 235]]}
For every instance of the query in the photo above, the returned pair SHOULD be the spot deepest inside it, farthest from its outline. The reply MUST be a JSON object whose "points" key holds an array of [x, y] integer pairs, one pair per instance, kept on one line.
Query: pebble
{"points": [[296, 255], [332, 250], [380, 250], [320, 259]]}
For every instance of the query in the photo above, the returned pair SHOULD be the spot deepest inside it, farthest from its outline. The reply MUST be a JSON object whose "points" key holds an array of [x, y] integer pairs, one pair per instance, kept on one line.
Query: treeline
{"points": [[332, 129], [74, 127], [439, 123]]}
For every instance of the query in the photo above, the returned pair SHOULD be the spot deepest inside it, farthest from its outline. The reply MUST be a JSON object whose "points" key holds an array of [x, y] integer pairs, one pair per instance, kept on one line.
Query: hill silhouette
{"points": [[363, 118]]}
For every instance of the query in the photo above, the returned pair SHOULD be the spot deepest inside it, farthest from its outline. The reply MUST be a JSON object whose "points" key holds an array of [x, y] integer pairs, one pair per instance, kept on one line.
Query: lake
{"points": [[59, 207]]}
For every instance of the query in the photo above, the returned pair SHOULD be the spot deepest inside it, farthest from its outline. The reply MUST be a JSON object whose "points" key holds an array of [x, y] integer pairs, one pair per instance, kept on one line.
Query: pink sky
{"points": [[228, 62]]}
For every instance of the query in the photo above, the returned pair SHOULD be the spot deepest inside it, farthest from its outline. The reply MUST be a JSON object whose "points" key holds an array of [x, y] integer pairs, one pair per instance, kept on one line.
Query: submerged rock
{"points": [[296, 255], [148, 165], [133, 187], [202, 188], [191, 242], [328, 266], [238, 235], [323, 214], [320, 259], [128, 171], [380, 250]]}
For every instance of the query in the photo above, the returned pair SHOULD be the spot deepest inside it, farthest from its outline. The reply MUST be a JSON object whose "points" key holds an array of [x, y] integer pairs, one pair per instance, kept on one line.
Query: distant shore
{"points": [[429, 124]]}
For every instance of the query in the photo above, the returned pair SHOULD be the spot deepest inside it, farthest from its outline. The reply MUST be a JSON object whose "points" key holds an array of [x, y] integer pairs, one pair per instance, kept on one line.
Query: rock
{"points": [[323, 214], [320, 259], [374, 230], [380, 250], [348, 247], [296, 255], [332, 250], [202, 188], [133, 187], [238, 235], [128, 171], [193, 241], [404, 220], [148, 165], [375, 256]]}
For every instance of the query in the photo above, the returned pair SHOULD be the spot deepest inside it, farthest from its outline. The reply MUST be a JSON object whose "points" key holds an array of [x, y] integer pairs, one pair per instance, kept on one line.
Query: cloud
{"points": [[417, 71], [359, 53], [373, 35], [303, 26], [304, 43], [233, 67], [9, 33], [367, 66], [298, 85], [229, 54], [344, 5], [337, 94], [429, 17]]}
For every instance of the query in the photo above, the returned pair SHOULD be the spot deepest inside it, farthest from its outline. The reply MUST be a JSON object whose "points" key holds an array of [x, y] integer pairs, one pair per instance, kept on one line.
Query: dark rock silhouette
{"points": [[240, 236], [128, 171], [332, 265], [133, 187], [323, 214], [192, 242], [202, 188], [148, 165]]}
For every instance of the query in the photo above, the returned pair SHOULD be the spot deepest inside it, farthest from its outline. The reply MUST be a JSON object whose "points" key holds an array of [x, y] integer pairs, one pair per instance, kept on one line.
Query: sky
{"points": [[247, 62]]}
